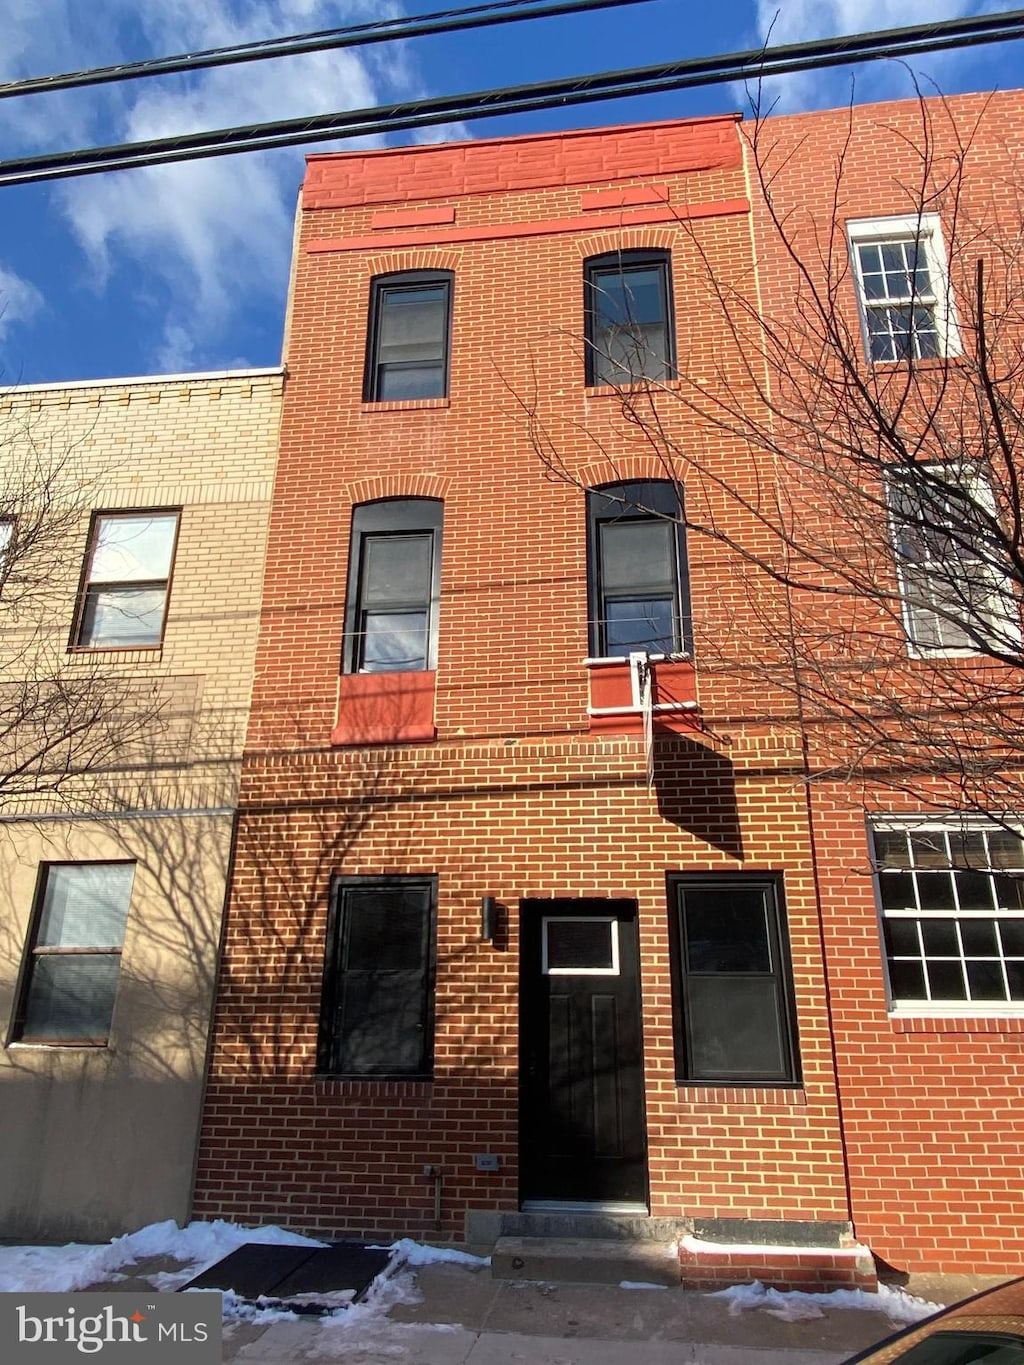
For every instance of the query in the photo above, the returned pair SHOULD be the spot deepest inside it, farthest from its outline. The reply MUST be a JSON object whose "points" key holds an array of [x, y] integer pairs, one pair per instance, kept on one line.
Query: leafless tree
{"points": [[64, 716], [871, 533]]}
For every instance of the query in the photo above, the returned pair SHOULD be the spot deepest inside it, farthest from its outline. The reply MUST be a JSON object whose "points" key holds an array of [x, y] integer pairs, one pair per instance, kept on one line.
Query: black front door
{"points": [[582, 1136]]}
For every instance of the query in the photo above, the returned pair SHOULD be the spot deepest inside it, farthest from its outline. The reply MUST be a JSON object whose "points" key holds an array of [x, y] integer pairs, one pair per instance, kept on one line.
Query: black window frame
{"points": [[384, 518], [788, 1075], [382, 287], [88, 585], [650, 500], [620, 264], [35, 952], [329, 1042]]}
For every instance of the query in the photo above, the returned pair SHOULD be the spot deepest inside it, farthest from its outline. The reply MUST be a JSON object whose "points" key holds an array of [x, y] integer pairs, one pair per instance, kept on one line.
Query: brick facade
{"points": [[100, 1139], [516, 798], [903, 1126], [928, 1098]]}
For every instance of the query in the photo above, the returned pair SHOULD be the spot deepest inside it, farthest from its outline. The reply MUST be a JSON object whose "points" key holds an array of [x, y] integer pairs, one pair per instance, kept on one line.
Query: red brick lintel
{"points": [[590, 222]]}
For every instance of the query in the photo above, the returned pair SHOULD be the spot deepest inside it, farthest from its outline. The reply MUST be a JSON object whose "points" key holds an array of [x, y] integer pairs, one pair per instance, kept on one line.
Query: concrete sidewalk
{"points": [[455, 1315]]}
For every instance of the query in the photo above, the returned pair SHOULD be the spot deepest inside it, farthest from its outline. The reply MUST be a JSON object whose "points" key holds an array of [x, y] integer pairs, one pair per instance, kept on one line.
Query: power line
{"points": [[358, 35], [756, 64]]}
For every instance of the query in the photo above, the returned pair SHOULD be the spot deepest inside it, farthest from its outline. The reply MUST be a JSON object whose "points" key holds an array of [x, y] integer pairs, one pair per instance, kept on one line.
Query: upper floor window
{"points": [[8, 546], [377, 1010], [394, 586], [636, 570], [74, 953], [952, 905], [902, 288], [125, 582], [407, 347], [628, 317], [954, 596]]}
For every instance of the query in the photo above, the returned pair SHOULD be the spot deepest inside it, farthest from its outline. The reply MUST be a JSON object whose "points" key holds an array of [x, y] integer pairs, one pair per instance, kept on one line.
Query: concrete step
{"points": [[606, 1226], [587, 1260]]}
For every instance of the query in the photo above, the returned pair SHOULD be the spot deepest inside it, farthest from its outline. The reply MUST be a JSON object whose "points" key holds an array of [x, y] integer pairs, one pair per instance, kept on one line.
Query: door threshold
{"points": [[584, 1206]]}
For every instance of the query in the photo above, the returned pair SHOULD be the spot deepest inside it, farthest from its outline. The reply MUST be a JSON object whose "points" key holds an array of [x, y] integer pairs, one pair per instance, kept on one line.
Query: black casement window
{"points": [[732, 988], [408, 337], [393, 586], [122, 602], [377, 1012], [636, 570], [628, 317], [71, 971]]}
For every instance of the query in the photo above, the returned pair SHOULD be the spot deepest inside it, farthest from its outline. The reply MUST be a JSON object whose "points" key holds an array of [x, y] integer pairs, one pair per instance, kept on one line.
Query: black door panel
{"points": [[582, 1131]]}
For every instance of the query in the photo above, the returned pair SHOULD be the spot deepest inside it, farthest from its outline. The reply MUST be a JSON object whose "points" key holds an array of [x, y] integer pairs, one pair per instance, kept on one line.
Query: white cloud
{"points": [[796, 21], [20, 300], [206, 235]]}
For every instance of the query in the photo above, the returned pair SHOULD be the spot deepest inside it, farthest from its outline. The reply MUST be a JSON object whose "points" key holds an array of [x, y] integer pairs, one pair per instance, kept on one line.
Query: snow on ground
{"points": [[414, 1253], [796, 1306], [27, 1269], [197, 1246], [78, 1265]]}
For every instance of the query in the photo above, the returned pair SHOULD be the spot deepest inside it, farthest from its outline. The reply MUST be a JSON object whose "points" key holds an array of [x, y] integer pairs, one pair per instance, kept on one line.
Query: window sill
{"points": [[114, 652], [369, 1087], [58, 1047], [919, 652], [780, 1095], [627, 390], [607, 660], [932, 362], [1008, 1020], [407, 405]]}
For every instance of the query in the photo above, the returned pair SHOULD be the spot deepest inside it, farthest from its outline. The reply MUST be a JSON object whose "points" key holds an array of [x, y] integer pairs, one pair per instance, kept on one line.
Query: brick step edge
{"points": [[815, 1270]]}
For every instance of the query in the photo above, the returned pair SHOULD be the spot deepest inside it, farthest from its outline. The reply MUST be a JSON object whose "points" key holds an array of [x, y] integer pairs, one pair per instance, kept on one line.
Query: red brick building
{"points": [[534, 908], [919, 855]]}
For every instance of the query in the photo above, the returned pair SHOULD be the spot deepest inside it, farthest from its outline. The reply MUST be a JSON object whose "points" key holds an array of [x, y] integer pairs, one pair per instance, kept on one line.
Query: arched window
{"points": [[408, 336], [627, 298], [636, 570], [394, 581]]}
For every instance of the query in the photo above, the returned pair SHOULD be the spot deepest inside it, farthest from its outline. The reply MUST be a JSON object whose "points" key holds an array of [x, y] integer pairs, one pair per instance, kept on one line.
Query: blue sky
{"points": [[184, 268]]}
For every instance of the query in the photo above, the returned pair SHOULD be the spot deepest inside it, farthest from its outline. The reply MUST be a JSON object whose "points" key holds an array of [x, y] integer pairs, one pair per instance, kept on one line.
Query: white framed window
{"points": [[580, 945], [126, 580], [955, 598], [903, 292], [8, 529], [73, 961], [951, 901]]}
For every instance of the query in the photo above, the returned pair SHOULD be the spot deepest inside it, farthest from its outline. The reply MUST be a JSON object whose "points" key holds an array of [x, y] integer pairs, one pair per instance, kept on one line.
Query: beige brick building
{"points": [[133, 515]]}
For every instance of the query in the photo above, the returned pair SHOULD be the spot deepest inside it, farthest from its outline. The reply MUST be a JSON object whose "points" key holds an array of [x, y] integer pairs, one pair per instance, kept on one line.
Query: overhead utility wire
{"points": [[357, 35], [753, 65]]}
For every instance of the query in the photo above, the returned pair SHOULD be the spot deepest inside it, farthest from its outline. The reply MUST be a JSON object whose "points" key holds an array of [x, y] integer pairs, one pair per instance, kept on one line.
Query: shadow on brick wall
{"points": [[696, 790]]}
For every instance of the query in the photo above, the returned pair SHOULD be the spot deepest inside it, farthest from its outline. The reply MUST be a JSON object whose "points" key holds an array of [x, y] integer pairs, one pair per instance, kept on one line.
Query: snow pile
{"points": [[196, 1247], [407, 1252], [31, 1270], [798, 1306], [905, 1308]]}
